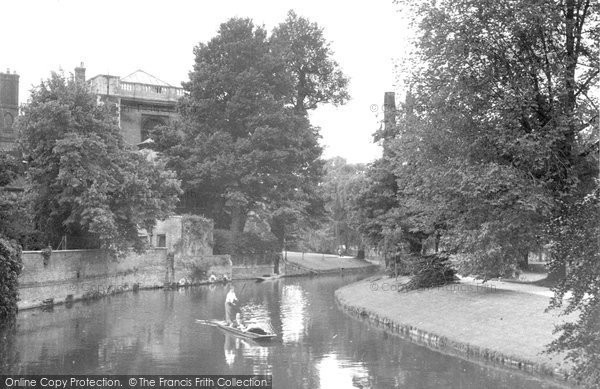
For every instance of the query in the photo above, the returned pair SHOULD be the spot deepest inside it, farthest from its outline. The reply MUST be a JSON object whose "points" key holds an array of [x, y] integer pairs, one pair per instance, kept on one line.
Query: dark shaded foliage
{"points": [[246, 243], [429, 271], [10, 268]]}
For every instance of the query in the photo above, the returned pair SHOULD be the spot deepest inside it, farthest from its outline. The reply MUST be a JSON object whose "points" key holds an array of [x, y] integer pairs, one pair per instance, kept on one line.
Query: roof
{"points": [[141, 77]]}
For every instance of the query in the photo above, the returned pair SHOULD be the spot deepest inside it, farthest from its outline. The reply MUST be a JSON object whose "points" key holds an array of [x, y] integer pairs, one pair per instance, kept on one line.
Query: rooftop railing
{"points": [[158, 92]]}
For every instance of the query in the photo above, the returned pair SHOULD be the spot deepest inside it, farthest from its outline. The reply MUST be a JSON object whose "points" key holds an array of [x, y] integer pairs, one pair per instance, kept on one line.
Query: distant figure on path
{"points": [[340, 251], [230, 305]]}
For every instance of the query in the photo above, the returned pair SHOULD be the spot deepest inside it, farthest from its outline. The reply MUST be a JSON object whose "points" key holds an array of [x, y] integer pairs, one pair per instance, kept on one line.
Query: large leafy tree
{"points": [[488, 147], [238, 145], [309, 65], [313, 78], [85, 182], [494, 148]]}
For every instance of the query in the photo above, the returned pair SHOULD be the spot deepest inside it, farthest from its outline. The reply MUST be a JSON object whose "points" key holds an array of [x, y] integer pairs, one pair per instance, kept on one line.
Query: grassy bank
{"points": [[325, 263], [502, 326]]}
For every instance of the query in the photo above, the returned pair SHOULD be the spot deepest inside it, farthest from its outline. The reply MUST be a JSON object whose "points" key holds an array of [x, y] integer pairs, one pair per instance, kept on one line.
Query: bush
{"points": [[199, 270], [10, 268], [430, 271]]}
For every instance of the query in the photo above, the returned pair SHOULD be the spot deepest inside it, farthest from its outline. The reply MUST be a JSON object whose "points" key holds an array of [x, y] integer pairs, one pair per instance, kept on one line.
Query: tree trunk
{"points": [[238, 220], [524, 262], [361, 250], [278, 229]]}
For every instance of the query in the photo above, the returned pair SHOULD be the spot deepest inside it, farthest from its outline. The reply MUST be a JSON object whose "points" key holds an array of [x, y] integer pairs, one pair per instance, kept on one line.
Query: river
{"points": [[320, 346]]}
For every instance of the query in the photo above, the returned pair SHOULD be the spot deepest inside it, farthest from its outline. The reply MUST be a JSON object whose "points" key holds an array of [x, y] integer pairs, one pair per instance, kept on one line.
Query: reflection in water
{"points": [[334, 374], [230, 349], [155, 332], [293, 313], [255, 353]]}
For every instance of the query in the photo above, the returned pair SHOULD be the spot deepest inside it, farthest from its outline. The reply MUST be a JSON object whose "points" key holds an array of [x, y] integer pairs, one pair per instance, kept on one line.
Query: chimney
{"points": [[80, 73], [389, 113]]}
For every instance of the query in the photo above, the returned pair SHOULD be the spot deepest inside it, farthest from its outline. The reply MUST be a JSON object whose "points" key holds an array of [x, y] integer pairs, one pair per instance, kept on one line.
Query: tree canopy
{"points": [[495, 149], [309, 65], [85, 182], [241, 142], [489, 144]]}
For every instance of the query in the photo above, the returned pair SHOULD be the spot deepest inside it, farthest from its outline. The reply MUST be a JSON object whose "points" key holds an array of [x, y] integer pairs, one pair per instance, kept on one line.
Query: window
{"points": [[8, 123], [161, 240]]}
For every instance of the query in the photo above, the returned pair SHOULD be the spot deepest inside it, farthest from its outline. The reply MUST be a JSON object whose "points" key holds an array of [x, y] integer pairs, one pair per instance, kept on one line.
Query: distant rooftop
{"points": [[141, 77]]}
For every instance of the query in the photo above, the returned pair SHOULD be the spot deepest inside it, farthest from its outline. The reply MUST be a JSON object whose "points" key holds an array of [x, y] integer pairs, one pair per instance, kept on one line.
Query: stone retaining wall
{"points": [[71, 275]]}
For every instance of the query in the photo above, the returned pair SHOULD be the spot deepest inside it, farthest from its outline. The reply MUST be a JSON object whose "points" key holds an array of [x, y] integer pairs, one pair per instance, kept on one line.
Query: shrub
{"points": [[10, 268], [199, 270], [430, 271], [46, 254]]}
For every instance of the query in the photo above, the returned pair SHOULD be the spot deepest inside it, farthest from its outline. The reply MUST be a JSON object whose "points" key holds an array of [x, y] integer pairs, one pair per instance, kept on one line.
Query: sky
{"points": [[119, 37]]}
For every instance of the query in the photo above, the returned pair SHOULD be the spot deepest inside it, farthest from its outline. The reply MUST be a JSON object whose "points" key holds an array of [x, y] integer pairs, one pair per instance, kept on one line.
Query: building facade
{"points": [[143, 101], [9, 109]]}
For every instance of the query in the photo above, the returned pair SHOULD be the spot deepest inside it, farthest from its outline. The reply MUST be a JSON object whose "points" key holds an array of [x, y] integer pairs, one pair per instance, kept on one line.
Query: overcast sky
{"points": [[119, 37]]}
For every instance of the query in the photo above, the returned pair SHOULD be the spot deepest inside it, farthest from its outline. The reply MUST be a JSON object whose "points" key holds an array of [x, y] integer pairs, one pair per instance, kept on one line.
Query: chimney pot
{"points": [[80, 73]]}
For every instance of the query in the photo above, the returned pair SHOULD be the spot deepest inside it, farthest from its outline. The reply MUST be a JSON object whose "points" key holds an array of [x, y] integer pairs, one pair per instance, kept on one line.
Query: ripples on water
{"points": [[155, 332]]}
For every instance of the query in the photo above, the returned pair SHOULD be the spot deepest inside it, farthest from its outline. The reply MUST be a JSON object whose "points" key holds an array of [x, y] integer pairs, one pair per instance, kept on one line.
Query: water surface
{"points": [[155, 332]]}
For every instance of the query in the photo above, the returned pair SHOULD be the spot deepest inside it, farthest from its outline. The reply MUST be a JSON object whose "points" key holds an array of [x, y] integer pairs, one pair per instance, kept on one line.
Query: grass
{"points": [[324, 262], [507, 322]]}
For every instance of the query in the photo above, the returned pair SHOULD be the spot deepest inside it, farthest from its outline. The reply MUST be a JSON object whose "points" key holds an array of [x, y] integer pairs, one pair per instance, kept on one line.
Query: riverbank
{"points": [[495, 323], [314, 263]]}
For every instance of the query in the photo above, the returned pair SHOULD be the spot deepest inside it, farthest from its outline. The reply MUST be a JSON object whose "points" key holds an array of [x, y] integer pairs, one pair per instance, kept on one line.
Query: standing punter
{"points": [[230, 306]]}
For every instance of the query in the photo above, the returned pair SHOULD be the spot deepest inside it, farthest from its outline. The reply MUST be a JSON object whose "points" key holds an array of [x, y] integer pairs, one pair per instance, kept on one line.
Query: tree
{"points": [[493, 150], [341, 185], [579, 246], [378, 215], [85, 182], [13, 232], [16, 215], [315, 77], [238, 145], [10, 268], [291, 218], [487, 148]]}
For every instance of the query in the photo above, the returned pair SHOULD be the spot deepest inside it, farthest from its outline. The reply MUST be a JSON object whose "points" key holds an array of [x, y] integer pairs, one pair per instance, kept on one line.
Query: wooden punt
{"points": [[236, 331], [268, 277]]}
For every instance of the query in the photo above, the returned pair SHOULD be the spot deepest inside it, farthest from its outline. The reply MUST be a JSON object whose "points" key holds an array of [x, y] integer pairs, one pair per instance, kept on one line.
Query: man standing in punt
{"points": [[230, 305]]}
